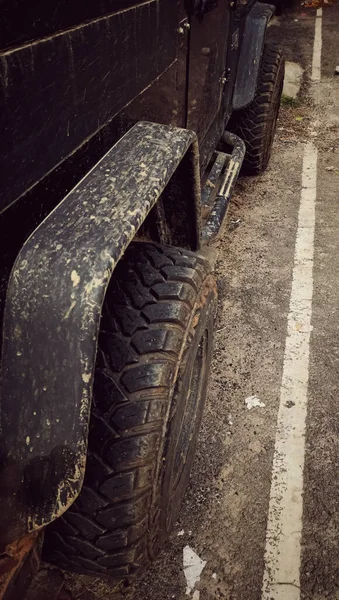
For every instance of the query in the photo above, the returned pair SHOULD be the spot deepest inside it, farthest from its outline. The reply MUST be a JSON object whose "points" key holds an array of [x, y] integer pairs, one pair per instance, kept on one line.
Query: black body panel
{"points": [[73, 84], [43, 19]]}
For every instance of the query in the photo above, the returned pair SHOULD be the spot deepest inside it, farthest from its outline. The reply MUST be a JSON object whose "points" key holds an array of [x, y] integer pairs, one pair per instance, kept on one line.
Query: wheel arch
{"points": [[52, 315], [250, 54]]}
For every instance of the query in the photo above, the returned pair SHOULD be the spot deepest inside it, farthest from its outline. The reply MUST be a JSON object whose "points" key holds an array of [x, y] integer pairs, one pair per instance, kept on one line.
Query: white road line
{"points": [[316, 62], [282, 556], [281, 579]]}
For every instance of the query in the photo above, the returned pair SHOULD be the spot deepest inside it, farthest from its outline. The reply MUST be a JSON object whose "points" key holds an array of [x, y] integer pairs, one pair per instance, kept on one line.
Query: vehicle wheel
{"points": [[256, 124], [150, 385]]}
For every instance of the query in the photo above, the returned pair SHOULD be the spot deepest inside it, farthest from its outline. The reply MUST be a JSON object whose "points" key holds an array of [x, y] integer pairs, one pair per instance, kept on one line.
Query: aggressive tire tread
{"points": [[145, 319], [256, 123]]}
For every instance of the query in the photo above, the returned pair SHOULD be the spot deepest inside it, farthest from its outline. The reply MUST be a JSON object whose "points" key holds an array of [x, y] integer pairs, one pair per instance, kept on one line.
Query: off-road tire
{"points": [[256, 124], [154, 346]]}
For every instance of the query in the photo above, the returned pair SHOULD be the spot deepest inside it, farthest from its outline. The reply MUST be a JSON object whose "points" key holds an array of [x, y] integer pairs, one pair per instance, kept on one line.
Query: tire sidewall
{"points": [[202, 321], [274, 113]]}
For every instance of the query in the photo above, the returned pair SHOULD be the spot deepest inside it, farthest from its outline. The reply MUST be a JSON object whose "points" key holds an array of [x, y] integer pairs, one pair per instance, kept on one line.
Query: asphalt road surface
{"points": [[262, 509]]}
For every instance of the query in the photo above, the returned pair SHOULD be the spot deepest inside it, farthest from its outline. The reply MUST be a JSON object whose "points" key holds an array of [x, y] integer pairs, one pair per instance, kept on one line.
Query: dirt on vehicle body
{"points": [[130, 128]]}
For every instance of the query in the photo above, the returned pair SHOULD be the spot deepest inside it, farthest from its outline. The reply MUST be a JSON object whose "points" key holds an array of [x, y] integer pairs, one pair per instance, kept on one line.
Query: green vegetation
{"points": [[289, 102]]}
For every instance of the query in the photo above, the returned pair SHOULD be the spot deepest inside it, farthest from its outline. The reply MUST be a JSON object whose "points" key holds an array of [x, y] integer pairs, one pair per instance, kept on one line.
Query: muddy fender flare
{"points": [[252, 46], [52, 316]]}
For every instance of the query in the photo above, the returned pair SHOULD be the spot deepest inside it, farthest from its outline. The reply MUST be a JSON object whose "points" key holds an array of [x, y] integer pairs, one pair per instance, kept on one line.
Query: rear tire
{"points": [[150, 385], [256, 124]]}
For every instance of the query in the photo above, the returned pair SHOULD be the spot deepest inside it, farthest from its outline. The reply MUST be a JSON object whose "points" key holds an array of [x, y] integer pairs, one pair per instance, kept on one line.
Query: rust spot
{"points": [[7, 563], [12, 559], [210, 285]]}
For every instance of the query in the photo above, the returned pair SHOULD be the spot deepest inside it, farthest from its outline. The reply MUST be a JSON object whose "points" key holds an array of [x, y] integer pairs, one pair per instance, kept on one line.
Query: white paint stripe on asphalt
{"points": [[281, 579], [283, 551], [316, 62]]}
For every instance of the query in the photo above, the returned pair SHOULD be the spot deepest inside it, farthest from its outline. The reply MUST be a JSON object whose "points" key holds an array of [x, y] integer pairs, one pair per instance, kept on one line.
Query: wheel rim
{"points": [[194, 385]]}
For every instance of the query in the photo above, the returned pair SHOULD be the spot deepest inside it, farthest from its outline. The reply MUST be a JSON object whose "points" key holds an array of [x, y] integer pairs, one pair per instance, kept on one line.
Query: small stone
{"points": [[256, 447], [337, 70]]}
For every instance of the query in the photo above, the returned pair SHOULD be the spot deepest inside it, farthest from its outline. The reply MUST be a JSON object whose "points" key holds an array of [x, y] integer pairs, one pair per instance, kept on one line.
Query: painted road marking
{"points": [[282, 555], [281, 579], [316, 62]]}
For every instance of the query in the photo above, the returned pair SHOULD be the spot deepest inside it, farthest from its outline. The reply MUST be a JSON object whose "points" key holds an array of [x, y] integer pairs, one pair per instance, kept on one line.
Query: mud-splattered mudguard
{"points": [[52, 316], [252, 44]]}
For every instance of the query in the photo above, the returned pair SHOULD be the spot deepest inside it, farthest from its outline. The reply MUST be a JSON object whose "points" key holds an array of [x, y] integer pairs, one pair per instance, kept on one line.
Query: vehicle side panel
{"points": [[59, 91]]}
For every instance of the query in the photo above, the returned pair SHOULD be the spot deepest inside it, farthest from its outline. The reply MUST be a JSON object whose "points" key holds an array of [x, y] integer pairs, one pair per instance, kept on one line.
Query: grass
{"points": [[289, 102]]}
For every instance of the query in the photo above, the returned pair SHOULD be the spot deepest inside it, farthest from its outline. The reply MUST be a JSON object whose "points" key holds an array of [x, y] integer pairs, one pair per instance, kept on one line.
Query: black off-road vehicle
{"points": [[124, 128]]}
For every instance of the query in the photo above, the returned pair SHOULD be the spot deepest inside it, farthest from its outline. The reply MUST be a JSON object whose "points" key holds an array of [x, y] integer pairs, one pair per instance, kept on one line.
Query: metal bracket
{"points": [[228, 167]]}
